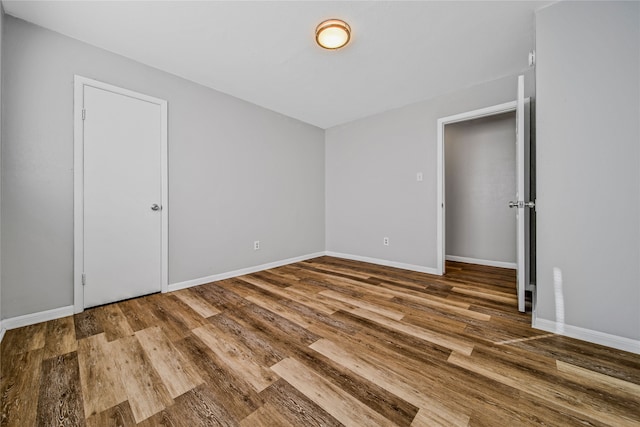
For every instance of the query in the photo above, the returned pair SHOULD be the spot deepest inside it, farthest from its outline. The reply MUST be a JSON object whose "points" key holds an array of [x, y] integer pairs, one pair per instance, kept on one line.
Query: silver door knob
{"points": [[529, 205], [155, 207]]}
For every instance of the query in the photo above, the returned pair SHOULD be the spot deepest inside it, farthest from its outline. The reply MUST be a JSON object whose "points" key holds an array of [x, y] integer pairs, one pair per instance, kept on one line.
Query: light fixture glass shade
{"points": [[333, 34]]}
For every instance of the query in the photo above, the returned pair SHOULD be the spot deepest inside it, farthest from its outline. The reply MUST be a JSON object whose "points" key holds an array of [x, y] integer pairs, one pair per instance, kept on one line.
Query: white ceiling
{"points": [[264, 52]]}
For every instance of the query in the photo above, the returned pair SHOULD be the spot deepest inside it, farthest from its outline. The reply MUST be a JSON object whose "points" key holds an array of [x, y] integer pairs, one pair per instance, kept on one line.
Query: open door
{"points": [[522, 203]]}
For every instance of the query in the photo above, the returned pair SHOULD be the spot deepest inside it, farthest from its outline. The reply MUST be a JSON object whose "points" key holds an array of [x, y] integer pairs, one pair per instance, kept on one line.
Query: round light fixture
{"points": [[333, 34]]}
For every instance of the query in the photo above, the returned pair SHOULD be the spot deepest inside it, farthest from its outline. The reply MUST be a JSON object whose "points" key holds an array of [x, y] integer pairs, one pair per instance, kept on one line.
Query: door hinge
{"points": [[84, 279], [84, 114]]}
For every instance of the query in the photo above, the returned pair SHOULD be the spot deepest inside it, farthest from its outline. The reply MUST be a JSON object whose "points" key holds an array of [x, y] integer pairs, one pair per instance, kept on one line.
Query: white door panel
{"points": [[522, 195], [122, 180]]}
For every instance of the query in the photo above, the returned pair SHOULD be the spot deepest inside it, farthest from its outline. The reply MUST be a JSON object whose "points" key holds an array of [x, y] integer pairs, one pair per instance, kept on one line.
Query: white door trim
{"points": [[469, 115], [78, 183]]}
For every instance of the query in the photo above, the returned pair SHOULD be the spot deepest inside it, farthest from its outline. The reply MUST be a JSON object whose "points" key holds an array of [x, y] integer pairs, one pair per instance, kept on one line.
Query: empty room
{"points": [[319, 213]]}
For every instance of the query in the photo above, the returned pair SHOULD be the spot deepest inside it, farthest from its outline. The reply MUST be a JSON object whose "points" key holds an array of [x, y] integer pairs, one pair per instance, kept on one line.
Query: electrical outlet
{"points": [[385, 241], [256, 245], [419, 177]]}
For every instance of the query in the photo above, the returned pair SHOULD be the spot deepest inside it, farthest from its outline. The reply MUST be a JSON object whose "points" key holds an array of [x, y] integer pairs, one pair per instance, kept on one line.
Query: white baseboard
{"points": [[596, 337], [501, 264], [33, 318], [384, 262], [241, 272], [56, 313]]}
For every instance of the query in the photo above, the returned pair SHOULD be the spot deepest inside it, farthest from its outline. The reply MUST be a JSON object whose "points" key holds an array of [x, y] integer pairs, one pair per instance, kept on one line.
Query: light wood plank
{"points": [[176, 373], [144, 389], [197, 304], [99, 376], [331, 304], [344, 407], [293, 296], [425, 418], [392, 314], [280, 310], [265, 416], [502, 297], [598, 380], [236, 356], [391, 381], [571, 400], [424, 334], [460, 309], [117, 416]]}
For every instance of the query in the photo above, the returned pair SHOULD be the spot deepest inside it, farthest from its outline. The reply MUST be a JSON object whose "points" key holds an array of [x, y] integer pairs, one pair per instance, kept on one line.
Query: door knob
{"points": [[155, 207], [529, 205]]}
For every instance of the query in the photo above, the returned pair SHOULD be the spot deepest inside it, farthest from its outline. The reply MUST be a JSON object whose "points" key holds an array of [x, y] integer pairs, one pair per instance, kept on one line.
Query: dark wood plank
{"points": [[60, 401], [87, 324], [199, 407], [19, 388], [238, 398], [113, 321], [60, 337], [297, 408], [22, 340], [377, 398], [261, 347], [138, 316]]}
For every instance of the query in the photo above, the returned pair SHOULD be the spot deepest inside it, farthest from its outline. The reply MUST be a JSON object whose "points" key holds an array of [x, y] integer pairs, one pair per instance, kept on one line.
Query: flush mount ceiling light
{"points": [[333, 34]]}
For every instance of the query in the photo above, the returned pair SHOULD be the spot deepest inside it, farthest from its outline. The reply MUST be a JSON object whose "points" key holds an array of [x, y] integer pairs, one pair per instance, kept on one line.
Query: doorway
{"points": [[120, 194], [521, 202], [480, 180]]}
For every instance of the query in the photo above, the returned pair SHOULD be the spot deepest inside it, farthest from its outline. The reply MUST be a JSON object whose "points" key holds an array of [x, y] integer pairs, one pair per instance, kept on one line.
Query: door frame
{"points": [[440, 169], [79, 83]]}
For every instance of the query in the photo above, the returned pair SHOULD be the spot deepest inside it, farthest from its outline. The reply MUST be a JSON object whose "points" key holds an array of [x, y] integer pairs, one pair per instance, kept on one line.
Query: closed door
{"points": [[122, 193]]}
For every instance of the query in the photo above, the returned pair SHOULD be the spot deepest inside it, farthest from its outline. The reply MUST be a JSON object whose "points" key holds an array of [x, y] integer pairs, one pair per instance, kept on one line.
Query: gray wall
{"points": [[1, 103], [588, 156], [371, 167], [237, 172], [480, 180]]}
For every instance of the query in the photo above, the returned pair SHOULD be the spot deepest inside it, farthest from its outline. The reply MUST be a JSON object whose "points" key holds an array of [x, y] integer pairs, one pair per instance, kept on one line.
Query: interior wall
{"points": [[371, 170], [480, 180], [1, 108], [237, 172], [588, 163]]}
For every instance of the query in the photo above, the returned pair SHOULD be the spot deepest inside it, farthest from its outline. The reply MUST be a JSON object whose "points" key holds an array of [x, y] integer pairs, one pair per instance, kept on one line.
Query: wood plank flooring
{"points": [[325, 342]]}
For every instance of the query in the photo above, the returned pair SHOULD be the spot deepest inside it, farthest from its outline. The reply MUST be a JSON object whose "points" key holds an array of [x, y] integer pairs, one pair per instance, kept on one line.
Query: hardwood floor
{"points": [[325, 342]]}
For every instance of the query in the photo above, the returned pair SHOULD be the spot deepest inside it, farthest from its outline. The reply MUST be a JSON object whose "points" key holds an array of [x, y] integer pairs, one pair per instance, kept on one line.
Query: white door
{"points": [[521, 204], [122, 142]]}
